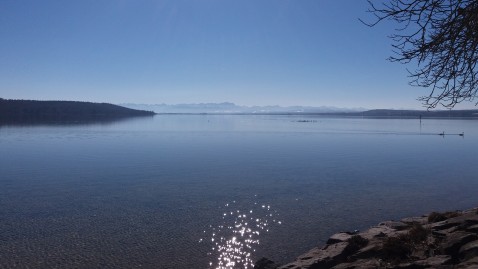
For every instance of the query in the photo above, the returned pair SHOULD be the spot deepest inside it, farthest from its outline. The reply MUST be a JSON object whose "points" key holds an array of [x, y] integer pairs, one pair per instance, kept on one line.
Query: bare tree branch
{"points": [[441, 37]]}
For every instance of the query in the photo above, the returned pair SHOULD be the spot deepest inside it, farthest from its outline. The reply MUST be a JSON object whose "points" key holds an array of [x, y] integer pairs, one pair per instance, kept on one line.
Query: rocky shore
{"points": [[437, 240]]}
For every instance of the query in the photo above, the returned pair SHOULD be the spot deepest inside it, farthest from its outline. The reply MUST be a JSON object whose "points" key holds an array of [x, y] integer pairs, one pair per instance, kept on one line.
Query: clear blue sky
{"points": [[267, 52]]}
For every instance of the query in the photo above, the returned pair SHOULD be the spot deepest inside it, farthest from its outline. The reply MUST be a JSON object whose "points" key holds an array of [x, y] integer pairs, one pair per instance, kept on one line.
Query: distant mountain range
{"points": [[231, 108]]}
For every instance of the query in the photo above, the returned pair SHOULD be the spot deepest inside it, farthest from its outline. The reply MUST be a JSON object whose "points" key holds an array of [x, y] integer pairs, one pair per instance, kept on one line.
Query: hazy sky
{"points": [[257, 52]]}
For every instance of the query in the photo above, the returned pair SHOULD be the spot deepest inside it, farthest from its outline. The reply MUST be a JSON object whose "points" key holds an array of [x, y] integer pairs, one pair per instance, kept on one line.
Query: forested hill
{"points": [[50, 111]]}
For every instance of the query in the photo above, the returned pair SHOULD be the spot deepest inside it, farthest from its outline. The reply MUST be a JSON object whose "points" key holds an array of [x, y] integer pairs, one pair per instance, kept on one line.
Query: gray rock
{"points": [[337, 238], [469, 264], [471, 211], [445, 232], [290, 266], [455, 238], [469, 250], [455, 241], [464, 221], [397, 225], [420, 220], [412, 265], [362, 264], [472, 229], [434, 261], [443, 225], [379, 232], [407, 265], [326, 257], [370, 251], [265, 263]]}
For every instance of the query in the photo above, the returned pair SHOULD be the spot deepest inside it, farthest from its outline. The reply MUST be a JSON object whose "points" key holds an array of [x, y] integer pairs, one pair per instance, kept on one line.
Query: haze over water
{"points": [[141, 192]]}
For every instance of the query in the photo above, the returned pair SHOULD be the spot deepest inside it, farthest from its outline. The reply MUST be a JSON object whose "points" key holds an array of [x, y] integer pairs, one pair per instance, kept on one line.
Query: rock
{"points": [[472, 229], [443, 225], [469, 250], [290, 266], [434, 261], [455, 241], [378, 232], [397, 225], [420, 220], [471, 211], [370, 251], [455, 238], [469, 264], [326, 257], [407, 265], [464, 221], [265, 263], [337, 238], [362, 264], [445, 232]]}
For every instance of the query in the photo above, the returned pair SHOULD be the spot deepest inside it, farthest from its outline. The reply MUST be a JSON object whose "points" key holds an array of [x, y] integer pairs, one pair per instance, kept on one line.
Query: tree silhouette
{"points": [[441, 37]]}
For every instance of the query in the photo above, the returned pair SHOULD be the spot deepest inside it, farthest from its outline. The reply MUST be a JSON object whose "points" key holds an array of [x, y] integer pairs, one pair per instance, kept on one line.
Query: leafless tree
{"points": [[441, 38]]}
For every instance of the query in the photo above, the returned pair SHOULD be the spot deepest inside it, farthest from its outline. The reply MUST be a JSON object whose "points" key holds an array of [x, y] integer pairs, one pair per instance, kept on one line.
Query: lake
{"points": [[151, 192]]}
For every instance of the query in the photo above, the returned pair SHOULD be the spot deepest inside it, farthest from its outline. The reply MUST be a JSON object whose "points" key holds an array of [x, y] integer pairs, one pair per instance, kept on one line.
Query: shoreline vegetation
{"points": [[35, 112], [437, 240]]}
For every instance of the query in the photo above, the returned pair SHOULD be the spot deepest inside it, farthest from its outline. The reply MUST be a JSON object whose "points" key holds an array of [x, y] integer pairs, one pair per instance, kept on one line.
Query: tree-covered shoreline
{"points": [[32, 111]]}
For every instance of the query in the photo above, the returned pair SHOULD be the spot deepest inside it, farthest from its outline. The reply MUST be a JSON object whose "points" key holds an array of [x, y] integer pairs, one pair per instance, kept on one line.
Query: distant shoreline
{"points": [[31, 111], [460, 114], [233, 109]]}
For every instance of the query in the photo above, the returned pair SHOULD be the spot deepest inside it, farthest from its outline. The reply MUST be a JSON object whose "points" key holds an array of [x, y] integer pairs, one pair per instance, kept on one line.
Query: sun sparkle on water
{"points": [[234, 238]]}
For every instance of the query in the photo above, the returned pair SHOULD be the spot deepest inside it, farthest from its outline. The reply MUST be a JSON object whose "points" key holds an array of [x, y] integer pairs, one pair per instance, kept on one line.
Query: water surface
{"points": [[141, 192]]}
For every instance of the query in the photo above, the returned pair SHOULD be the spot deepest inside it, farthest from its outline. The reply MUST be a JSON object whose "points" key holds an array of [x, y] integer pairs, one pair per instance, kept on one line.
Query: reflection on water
{"points": [[234, 238], [139, 192], [66, 122]]}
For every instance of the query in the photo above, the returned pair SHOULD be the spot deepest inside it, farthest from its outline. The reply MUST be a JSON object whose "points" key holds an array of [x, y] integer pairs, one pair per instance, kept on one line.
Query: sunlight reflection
{"points": [[234, 238]]}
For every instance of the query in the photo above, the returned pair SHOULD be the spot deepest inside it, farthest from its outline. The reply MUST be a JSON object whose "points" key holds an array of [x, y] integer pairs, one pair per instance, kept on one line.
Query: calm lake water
{"points": [[143, 192]]}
